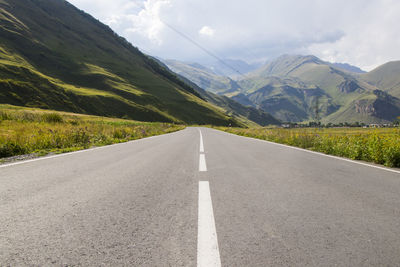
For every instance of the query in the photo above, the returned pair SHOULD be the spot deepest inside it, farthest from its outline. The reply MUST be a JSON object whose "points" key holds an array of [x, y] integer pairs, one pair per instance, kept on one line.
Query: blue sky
{"points": [[364, 33]]}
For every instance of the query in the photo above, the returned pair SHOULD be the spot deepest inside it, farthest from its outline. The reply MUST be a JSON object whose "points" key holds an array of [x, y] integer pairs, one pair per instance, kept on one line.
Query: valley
{"points": [[296, 88]]}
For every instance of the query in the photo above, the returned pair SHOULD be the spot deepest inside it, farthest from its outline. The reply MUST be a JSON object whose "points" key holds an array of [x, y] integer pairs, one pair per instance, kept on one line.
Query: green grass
{"points": [[25, 131], [381, 146]]}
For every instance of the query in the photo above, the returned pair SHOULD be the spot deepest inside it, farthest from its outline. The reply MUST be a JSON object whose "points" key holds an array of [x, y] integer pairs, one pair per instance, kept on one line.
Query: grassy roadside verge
{"points": [[26, 130], [381, 146]]}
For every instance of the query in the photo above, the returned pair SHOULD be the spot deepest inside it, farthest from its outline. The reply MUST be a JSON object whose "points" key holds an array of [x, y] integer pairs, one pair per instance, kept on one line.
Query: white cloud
{"points": [[372, 38], [360, 32], [207, 31], [148, 23]]}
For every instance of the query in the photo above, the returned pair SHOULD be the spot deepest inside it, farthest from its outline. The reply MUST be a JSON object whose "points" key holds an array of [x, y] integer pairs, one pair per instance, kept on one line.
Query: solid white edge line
{"points": [[202, 163], [207, 241], [80, 151], [317, 153], [201, 143]]}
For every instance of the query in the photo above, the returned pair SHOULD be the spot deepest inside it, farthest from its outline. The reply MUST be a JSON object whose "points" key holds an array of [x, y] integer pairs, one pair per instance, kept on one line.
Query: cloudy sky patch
{"points": [[359, 32]]}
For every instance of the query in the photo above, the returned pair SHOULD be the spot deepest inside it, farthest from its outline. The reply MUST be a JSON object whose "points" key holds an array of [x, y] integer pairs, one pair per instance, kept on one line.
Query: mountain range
{"points": [[55, 56], [297, 88]]}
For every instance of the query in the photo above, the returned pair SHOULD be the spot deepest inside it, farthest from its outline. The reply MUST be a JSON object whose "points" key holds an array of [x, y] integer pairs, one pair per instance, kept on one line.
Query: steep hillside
{"points": [[385, 77], [55, 56], [288, 99], [378, 107]]}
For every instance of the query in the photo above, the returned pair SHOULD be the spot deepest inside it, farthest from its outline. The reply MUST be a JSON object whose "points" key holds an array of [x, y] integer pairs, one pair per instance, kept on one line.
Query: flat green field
{"points": [[380, 145], [28, 130]]}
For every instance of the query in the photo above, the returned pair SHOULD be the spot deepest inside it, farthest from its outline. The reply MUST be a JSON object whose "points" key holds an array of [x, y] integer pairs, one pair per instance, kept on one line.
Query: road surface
{"points": [[185, 200]]}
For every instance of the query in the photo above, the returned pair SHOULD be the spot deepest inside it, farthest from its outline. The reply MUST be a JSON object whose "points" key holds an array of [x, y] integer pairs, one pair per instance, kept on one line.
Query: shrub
{"points": [[11, 149], [52, 118], [4, 116]]}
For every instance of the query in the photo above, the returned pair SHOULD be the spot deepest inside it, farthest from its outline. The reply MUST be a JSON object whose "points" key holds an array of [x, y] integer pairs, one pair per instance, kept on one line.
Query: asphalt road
{"points": [[141, 204]]}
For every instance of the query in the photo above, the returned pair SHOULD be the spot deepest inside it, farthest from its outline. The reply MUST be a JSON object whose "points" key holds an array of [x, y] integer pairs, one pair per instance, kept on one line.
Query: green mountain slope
{"points": [[288, 99], [55, 56], [311, 70], [378, 107], [291, 87], [385, 77]]}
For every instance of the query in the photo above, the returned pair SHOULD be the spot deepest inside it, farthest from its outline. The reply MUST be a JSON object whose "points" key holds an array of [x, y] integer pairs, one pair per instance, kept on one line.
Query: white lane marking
{"points": [[201, 143], [81, 151], [207, 242], [50, 157], [319, 153], [202, 163]]}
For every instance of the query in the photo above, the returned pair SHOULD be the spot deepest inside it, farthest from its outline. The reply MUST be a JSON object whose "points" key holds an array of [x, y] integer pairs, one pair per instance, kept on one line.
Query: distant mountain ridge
{"points": [[242, 112], [203, 76], [246, 114], [305, 88], [348, 67], [232, 67]]}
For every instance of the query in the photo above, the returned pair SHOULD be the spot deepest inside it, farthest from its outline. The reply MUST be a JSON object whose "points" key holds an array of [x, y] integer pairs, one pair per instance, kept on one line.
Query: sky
{"points": [[364, 33]]}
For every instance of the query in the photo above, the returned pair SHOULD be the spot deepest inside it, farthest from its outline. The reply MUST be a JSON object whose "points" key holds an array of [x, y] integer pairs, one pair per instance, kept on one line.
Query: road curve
{"points": [[137, 204]]}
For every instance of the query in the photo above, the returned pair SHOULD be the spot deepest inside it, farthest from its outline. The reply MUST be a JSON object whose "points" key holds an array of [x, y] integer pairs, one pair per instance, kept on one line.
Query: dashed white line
{"points": [[207, 242], [201, 143], [202, 163]]}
